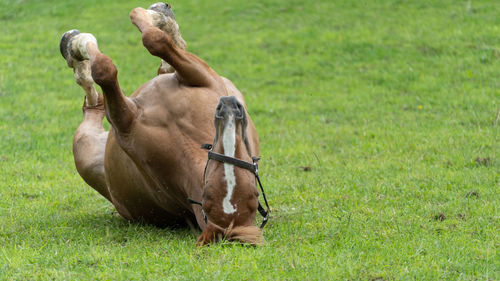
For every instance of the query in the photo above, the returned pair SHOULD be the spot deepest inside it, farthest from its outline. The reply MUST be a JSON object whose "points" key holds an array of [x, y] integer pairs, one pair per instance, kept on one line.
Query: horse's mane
{"points": [[245, 234], [250, 235]]}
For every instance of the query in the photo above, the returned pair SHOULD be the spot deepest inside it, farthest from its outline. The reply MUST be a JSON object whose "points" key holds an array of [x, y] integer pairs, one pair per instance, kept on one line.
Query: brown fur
{"points": [[151, 162]]}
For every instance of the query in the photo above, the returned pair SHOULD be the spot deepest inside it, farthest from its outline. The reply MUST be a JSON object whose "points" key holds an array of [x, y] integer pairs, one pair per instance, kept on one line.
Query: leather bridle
{"points": [[252, 167]]}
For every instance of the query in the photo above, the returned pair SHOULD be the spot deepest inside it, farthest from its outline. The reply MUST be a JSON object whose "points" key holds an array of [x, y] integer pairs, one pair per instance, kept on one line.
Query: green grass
{"points": [[388, 103]]}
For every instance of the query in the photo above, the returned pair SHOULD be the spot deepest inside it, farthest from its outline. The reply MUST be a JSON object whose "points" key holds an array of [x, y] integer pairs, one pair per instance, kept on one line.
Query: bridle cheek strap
{"points": [[191, 201]]}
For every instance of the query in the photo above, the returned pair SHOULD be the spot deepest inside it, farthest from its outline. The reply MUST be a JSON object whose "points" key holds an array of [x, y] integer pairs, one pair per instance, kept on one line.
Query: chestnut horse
{"points": [[150, 165]]}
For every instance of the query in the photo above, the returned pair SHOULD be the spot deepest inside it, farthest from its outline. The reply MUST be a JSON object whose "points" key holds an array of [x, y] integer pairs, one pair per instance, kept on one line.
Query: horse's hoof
{"points": [[163, 8], [65, 45]]}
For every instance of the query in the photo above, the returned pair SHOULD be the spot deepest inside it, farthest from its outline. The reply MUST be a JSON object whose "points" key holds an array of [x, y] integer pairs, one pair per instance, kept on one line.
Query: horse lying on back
{"points": [[150, 165]]}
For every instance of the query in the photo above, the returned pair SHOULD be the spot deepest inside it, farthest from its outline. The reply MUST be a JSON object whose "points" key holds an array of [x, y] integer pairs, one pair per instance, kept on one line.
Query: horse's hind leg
{"points": [[90, 138], [190, 69], [89, 146]]}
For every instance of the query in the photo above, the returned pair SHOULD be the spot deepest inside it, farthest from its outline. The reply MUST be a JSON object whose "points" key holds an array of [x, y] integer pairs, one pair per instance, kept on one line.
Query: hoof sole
{"points": [[65, 45], [163, 8]]}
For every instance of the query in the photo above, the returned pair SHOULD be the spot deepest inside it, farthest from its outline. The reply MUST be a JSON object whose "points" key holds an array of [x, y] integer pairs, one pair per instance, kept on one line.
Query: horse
{"points": [[151, 164]]}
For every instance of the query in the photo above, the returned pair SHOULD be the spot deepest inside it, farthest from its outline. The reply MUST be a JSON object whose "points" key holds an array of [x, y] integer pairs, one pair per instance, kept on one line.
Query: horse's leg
{"points": [[89, 145], [171, 29], [120, 110], [190, 70], [90, 138]]}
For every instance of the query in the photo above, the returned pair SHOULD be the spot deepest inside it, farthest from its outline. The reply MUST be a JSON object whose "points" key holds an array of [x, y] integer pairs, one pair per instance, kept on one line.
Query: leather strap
{"points": [[233, 161]]}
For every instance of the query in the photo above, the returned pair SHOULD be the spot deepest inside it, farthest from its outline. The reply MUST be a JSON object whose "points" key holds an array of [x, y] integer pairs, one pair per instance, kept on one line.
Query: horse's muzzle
{"points": [[229, 105]]}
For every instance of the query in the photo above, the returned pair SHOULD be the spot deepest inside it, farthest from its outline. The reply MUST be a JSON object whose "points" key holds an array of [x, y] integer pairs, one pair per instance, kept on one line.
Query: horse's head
{"points": [[230, 195]]}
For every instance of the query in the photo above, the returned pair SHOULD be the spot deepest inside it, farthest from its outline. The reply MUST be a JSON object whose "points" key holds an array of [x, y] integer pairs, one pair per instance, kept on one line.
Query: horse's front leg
{"points": [[120, 110]]}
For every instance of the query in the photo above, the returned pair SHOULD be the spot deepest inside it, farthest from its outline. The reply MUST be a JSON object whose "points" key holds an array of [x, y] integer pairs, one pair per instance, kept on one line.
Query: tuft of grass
{"points": [[378, 123]]}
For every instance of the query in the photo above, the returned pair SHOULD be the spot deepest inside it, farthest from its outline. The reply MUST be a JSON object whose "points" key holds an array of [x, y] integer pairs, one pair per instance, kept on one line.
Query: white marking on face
{"points": [[229, 143]]}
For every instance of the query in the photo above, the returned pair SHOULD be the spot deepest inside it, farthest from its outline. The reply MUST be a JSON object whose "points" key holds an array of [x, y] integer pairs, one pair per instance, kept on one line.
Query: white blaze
{"points": [[229, 142]]}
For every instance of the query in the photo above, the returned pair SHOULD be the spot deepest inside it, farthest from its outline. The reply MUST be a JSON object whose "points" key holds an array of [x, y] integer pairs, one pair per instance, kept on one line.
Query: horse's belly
{"points": [[130, 191]]}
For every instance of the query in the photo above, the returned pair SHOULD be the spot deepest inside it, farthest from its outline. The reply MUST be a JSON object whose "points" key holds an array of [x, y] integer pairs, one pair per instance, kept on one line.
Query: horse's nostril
{"points": [[240, 112], [218, 111]]}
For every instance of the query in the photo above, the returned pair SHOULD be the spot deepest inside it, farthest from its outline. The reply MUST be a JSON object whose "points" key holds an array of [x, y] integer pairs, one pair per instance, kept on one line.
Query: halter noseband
{"points": [[252, 167]]}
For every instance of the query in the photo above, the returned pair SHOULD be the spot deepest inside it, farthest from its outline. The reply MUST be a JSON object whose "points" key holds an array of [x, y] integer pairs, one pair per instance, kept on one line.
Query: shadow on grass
{"points": [[95, 227]]}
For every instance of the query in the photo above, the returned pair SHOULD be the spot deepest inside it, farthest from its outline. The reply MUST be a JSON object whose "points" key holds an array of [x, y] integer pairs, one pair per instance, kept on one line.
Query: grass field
{"points": [[379, 126]]}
